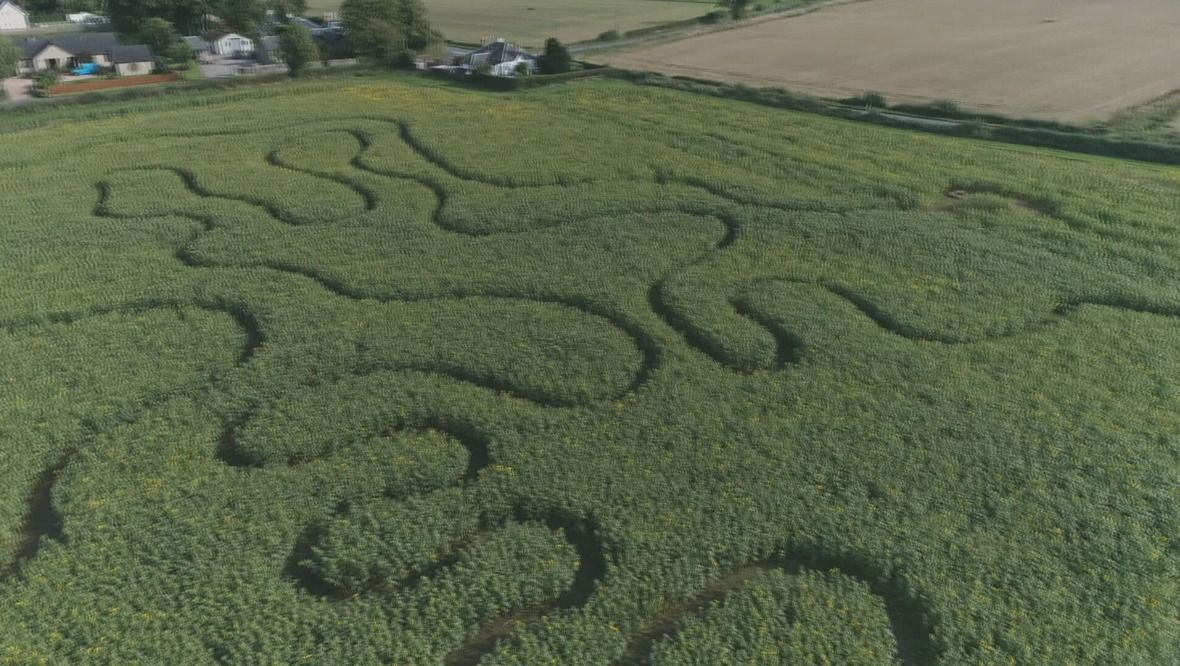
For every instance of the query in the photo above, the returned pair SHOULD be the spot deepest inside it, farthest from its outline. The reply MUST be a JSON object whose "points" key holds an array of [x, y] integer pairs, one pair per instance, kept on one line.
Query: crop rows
{"points": [[380, 371]]}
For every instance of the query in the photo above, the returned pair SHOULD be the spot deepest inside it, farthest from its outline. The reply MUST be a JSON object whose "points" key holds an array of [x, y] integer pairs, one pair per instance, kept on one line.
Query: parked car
{"points": [[89, 69]]}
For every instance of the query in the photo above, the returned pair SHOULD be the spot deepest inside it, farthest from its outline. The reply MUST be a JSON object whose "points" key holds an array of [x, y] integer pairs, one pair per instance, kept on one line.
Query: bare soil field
{"points": [[1076, 60]]}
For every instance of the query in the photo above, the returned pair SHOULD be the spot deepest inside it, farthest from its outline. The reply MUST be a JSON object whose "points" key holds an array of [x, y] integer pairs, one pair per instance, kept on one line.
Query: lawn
{"points": [[379, 370], [530, 22]]}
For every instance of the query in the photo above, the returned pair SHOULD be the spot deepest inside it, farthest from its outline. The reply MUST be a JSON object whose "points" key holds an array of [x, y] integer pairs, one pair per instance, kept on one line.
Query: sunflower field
{"points": [[379, 370]]}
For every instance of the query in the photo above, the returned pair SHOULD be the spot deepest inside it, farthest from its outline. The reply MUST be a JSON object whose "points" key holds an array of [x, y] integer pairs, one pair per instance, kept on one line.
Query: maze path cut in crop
{"points": [[41, 520], [907, 613]]}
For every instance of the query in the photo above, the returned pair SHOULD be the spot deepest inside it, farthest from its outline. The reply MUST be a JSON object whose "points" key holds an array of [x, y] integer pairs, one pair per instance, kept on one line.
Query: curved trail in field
{"points": [[790, 344], [579, 533], [193, 185], [478, 447], [41, 520], [592, 568], [367, 196], [907, 613], [644, 341], [242, 318]]}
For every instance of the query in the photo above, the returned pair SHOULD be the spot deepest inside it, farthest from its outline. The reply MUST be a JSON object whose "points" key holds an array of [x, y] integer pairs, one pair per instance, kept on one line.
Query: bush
{"points": [[181, 53], [948, 106], [297, 48], [556, 59], [869, 99], [609, 36]]}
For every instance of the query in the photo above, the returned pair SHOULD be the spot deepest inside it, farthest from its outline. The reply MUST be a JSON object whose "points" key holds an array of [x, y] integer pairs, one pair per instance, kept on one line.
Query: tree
{"points": [[181, 53], [242, 15], [297, 47], [388, 31], [160, 35], [556, 58], [130, 17], [737, 8], [10, 57]]}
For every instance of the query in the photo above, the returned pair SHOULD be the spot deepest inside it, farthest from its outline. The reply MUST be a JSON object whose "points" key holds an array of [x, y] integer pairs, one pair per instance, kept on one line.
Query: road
{"points": [[17, 89]]}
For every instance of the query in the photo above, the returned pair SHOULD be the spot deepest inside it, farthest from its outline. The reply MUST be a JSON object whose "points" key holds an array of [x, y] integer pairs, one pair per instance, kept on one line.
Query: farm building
{"points": [[233, 44], [12, 17], [132, 60]]}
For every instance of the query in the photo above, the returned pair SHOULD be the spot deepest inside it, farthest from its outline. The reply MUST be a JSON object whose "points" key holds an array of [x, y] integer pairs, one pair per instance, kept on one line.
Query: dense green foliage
{"points": [[556, 58], [388, 31], [297, 47], [377, 370], [132, 17], [10, 56]]}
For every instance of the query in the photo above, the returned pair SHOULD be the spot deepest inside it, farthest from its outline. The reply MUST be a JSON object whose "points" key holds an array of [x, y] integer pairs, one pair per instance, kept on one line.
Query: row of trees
{"points": [[388, 31], [191, 16]]}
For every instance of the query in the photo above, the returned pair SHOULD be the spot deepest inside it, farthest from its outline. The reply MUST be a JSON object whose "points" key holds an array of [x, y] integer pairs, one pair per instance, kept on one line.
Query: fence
{"points": [[108, 84]]}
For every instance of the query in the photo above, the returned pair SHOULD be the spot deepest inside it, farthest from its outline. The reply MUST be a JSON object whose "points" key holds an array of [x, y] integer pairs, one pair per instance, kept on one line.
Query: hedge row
{"points": [[1046, 137]]}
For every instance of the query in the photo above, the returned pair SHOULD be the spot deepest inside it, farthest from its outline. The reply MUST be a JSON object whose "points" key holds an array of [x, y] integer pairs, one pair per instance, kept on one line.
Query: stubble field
{"points": [[1080, 60], [378, 371], [531, 22]]}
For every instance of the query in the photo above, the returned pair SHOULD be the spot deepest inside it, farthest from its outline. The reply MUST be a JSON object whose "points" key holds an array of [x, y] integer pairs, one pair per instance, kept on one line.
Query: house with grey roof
{"points": [[201, 48], [500, 58], [63, 52]]}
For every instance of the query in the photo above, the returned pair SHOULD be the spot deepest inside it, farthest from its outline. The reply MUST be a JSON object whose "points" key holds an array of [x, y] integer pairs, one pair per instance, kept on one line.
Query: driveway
{"points": [[221, 67], [17, 89]]}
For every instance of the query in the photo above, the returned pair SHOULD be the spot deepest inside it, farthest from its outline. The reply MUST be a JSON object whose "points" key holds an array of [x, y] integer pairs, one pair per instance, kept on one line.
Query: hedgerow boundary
{"points": [[933, 119]]}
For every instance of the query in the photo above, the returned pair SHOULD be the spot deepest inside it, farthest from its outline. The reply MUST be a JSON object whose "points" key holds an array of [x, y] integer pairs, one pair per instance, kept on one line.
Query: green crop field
{"points": [[530, 22], [379, 370]]}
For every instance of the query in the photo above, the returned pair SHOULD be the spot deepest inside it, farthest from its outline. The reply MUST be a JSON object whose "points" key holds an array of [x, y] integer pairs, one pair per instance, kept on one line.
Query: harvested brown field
{"points": [[1066, 59]]}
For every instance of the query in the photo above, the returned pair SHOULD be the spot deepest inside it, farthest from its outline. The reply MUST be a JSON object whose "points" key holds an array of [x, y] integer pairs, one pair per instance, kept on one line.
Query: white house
{"points": [[233, 44], [501, 58], [12, 17]]}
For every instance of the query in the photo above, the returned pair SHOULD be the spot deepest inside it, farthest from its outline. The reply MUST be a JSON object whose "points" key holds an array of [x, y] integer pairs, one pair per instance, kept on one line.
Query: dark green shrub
{"points": [[870, 99], [556, 58]]}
